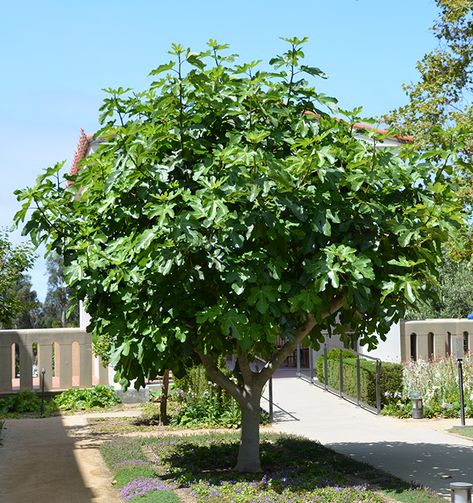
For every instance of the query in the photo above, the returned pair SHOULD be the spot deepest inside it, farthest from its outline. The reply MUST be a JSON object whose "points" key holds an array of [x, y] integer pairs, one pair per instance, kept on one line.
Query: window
{"points": [[430, 346], [448, 344], [414, 346], [466, 346]]}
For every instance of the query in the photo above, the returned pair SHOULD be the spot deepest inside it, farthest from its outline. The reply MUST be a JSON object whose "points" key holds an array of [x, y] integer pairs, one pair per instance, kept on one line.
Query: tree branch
{"points": [[245, 369], [218, 377], [301, 333]]}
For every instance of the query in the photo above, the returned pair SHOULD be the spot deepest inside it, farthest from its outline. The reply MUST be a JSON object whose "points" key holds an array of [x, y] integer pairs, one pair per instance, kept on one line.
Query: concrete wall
{"points": [[434, 338], [388, 350], [428, 339], [64, 353]]}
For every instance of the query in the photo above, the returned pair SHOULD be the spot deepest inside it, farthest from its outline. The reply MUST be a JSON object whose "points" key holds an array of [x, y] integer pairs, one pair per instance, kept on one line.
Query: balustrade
{"points": [[64, 353]]}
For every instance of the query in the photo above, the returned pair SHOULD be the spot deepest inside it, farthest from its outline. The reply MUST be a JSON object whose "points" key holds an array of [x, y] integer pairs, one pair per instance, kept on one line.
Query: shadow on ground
{"points": [[288, 462], [38, 463], [442, 464]]}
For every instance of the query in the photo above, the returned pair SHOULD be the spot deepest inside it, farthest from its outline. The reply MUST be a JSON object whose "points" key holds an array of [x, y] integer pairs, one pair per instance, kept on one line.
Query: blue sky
{"points": [[57, 56]]}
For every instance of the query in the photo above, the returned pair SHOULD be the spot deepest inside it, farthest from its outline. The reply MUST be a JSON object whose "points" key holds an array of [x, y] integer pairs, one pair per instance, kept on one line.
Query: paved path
{"points": [[49, 461], [415, 450]]}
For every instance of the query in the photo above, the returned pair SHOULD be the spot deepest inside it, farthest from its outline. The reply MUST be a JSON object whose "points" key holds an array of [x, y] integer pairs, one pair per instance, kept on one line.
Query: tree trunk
{"points": [[249, 452], [163, 405]]}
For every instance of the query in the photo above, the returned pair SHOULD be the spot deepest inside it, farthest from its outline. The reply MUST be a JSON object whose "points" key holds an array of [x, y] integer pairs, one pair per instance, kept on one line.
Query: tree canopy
{"points": [[441, 98], [439, 110], [59, 309], [30, 311], [14, 261], [454, 293], [228, 208]]}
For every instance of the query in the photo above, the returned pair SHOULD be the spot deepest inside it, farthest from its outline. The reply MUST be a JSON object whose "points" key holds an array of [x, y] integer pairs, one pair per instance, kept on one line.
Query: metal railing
{"points": [[356, 399]]}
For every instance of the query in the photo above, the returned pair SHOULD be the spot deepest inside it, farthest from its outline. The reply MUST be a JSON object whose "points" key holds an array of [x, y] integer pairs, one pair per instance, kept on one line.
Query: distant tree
{"points": [[439, 113], [453, 292], [14, 261], [441, 100], [59, 308], [30, 314]]}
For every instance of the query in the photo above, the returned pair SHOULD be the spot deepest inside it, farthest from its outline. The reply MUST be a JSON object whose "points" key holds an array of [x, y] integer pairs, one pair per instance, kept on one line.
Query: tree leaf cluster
{"points": [[439, 111]]}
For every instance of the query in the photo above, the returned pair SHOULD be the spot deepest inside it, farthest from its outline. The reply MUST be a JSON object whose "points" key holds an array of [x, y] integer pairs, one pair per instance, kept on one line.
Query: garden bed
{"points": [[199, 468]]}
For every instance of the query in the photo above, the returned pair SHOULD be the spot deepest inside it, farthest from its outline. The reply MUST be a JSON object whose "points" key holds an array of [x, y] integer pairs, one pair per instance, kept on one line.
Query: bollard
{"points": [[460, 492], [417, 408]]}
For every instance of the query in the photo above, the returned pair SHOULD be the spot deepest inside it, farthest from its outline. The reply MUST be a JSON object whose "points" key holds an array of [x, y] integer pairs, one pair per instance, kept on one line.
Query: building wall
{"points": [[438, 338], [64, 354], [388, 350], [425, 339]]}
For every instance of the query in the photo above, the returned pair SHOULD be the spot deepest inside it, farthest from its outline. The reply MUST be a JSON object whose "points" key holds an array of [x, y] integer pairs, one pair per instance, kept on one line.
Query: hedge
{"points": [[390, 376]]}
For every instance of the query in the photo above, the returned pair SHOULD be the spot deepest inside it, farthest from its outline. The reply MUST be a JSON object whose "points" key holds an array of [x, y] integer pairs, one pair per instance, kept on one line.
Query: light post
{"points": [[462, 397]]}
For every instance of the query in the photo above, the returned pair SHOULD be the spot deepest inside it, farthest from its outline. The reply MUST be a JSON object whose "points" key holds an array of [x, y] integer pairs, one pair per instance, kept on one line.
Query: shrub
{"points": [[332, 355], [390, 378], [87, 398], [23, 402], [205, 403]]}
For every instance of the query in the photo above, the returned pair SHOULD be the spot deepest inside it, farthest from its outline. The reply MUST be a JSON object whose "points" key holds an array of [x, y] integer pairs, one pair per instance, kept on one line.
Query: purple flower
{"points": [[138, 487]]}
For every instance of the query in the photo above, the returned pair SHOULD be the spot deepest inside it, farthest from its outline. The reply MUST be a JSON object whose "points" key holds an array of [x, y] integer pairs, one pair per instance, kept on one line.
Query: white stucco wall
{"points": [[388, 350], [84, 318]]}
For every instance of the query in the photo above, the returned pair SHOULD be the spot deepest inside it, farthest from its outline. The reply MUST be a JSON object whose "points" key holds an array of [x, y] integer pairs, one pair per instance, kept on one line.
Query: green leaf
{"points": [[314, 71], [238, 289], [409, 292], [145, 239], [233, 323], [333, 276], [162, 68], [194, 60]]}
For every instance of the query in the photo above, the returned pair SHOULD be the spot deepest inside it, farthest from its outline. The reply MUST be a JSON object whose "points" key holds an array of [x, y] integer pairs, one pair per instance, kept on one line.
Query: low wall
{"points": [[428, 339], [65, 354]]}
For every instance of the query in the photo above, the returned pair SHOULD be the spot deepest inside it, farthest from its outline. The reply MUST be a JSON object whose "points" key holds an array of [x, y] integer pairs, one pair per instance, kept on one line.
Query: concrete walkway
{"points": [[415, 450], [49, 460]]}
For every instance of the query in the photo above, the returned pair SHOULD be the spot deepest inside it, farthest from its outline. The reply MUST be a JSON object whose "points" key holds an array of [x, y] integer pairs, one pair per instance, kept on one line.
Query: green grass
{"points": [[294, 469], [161, 496], [464, 431]]}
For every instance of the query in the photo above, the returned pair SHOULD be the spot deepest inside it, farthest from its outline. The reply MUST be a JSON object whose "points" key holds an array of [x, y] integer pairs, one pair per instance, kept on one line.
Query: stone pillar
{"points": [[45, 359], [103, 373], [65, 365], [85, 377], [26, 367], [439, 345], [6, 366], [422, 346]]}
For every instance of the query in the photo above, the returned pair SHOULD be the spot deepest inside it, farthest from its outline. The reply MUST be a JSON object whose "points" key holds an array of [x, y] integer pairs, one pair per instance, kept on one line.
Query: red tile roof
{"points": [[81, 151], [402, 139]]}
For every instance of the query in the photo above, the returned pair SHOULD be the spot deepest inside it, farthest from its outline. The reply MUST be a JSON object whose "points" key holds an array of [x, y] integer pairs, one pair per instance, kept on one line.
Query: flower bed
{"points": [[436, 382], [296, 470]]}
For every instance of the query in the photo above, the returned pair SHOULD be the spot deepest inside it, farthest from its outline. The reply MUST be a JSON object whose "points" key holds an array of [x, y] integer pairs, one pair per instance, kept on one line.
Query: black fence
{"points": [[344, 372]]}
